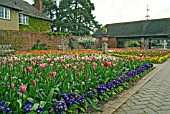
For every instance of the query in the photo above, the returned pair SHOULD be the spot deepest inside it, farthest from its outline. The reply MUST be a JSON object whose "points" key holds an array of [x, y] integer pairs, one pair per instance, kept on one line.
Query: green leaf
{"points": [[39, 95], [19, 101], [93, 104], [30, 100], [42, 104], [50, 95], [74, 106], [36, 105], [7, 103], [45, 112]]}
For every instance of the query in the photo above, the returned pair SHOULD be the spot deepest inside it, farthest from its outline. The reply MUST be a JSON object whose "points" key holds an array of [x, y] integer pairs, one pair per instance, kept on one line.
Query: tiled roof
{"points": [[24, 7], [143, 28]]}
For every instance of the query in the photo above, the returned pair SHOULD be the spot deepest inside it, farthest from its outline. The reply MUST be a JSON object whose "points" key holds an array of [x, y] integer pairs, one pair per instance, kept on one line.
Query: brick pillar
{"points": [[38, 5]]}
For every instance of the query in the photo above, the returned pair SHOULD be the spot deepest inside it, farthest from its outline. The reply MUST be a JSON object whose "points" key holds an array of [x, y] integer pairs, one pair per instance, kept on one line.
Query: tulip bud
{"points": [[54, 74], [23, 88], [140, 54], [75, 68], [12, 85], [29, 69], [34, 82], [79, 74]]}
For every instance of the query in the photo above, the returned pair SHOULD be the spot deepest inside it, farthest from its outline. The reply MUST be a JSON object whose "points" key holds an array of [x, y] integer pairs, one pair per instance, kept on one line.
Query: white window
{"points": [[23, 19], [4, 13]]}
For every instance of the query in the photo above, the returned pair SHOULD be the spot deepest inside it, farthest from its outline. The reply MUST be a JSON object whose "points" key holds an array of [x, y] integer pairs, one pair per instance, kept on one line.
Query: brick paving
{"points": [[152, 98]]}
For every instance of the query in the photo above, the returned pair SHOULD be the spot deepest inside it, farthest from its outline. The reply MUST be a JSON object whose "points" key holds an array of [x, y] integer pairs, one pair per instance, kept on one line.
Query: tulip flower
{"points": [[79, 74], [54, 74], [34, 82], [29, 69], [75, 68], [23, 88], [42, 65], [106, 64], [24, 71], [12, 85], [140, 54], [3, 62]]}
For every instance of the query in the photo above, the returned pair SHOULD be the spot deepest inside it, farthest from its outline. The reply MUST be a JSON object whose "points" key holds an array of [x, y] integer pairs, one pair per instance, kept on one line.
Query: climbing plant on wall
{"points": [[36, 25]]}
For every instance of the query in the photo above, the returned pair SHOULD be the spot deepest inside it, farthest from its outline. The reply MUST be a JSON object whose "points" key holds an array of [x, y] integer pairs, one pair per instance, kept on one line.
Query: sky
{"points": [[116, 11]]}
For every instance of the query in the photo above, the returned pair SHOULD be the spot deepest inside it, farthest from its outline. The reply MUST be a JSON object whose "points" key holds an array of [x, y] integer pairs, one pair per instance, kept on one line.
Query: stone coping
{"points": [[112, 105]]}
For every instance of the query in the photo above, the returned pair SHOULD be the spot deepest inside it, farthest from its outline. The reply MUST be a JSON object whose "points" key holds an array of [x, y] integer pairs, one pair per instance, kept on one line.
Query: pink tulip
{"points": [[83, 68], [94, 64], [78, 74], [49, 59], [12, 85], [51, 64], [42, 65], [9, 60], [3, 62], [140, 54], [54, 74], [29, 69], [23, 88], [33, 63], [82, 63], [75, 68], [34, 82]]}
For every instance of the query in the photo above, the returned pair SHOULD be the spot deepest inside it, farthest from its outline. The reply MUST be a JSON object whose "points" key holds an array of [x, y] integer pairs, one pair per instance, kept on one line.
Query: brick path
{"points": [[152, 98]]}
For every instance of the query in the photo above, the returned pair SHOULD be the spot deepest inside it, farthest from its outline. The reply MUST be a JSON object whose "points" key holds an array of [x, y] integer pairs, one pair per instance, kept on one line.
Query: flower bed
{"points": [[63, 83], [154, 56]]}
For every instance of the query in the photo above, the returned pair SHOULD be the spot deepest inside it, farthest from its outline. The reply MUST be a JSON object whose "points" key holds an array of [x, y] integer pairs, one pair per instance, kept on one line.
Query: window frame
{"points": [[5, 13], [23, 19]]}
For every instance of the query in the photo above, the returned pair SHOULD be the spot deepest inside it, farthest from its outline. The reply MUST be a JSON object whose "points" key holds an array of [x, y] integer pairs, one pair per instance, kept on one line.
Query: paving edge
{"points": [[111, 106]]}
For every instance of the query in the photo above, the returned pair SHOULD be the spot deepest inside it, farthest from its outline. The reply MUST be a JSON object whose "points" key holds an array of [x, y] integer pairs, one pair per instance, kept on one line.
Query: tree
{"points": [[49, 8], [76, 17], [73, 16]]}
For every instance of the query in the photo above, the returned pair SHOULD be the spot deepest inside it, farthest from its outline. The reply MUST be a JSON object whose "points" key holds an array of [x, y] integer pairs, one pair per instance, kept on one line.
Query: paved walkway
{"points": [[152, 98]]}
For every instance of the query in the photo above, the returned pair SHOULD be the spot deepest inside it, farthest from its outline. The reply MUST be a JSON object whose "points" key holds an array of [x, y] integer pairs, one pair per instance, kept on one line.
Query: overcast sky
{"points": [[114, 11]]}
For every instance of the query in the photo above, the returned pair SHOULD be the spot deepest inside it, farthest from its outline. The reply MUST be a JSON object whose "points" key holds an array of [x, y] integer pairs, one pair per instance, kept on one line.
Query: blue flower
{"points": [[60, 107], [8, 109], [110, 85], [1, 102], [2, 105], [80, 99], [90, 95], [27, 107], [39, 110], [54, 100], [122, 78]]}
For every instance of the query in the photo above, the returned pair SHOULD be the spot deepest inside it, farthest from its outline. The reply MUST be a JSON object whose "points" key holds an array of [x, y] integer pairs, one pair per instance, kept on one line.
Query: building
{"points": [[143, 31], [19, 15]]}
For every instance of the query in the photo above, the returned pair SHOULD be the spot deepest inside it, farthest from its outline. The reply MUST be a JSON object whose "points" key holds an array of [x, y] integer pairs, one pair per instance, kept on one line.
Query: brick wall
{"points": [[26, 40], [112, 42]]}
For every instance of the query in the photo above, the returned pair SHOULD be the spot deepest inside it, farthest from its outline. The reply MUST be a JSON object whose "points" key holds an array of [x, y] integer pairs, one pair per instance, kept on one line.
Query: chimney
{"points": [[38, 5]]}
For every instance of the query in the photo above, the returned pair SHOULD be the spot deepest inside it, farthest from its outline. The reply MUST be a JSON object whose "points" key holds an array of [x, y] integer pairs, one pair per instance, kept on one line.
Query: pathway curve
{"points": [[152, 98]]}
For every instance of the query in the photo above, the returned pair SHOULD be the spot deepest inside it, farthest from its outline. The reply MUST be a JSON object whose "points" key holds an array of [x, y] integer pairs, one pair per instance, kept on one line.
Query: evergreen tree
{"points": [[49, 8], [73, 16], [76, 17]]}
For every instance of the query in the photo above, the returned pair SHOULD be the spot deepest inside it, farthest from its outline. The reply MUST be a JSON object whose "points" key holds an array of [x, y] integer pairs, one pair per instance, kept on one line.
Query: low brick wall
{"points": [[24, 41], [112, 43]]}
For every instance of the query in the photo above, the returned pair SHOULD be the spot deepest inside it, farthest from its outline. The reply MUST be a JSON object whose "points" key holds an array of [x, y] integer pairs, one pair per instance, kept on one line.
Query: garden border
{"points": [[113, 105]]}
